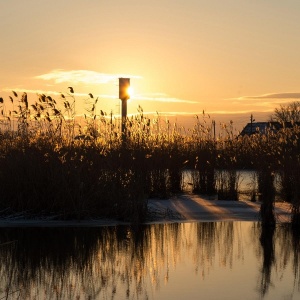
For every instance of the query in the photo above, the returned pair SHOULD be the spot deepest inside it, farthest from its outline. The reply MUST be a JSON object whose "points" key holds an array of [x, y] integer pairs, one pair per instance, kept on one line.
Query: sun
{"points": [[130, 91]]}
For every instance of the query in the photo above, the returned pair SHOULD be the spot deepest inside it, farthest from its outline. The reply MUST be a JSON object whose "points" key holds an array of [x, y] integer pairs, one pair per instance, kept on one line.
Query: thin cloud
{"points": [[271, 96], [54, 93], [234, 112], [188, 113], [261, 104], [265, 102], [82, 76], [169, 113], [164, 99], [28, 91], [101, 96], [206, 113], [154, 94]]}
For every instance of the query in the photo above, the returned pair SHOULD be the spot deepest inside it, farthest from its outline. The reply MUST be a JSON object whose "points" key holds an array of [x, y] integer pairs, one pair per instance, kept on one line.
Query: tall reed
{"points": [[55, 164], [204, 152]]}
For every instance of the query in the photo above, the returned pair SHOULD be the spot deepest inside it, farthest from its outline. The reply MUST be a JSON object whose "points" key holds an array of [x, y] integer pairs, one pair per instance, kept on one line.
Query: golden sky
{"points": [[230, 58]]}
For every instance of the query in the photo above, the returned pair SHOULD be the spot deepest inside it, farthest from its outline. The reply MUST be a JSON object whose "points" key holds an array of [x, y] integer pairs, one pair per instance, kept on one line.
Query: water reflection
{"points": [[220, 260], [267, 243]]}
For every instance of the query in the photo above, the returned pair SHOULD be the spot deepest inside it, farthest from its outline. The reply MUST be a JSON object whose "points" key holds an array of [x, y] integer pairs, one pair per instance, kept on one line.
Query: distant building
{"points": [[264, 127]]}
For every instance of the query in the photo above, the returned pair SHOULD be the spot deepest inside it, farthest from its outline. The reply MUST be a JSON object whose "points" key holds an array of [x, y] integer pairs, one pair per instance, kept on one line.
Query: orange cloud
{"points": [[82, 76]]}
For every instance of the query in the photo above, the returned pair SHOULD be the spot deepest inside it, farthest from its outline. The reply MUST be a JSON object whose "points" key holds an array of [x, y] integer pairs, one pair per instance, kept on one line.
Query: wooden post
{"points": [[124, 116], [124, 84]]}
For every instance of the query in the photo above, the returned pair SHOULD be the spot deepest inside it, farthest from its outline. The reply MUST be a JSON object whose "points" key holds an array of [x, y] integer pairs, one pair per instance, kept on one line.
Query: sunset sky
{"points": [[230, 58]]}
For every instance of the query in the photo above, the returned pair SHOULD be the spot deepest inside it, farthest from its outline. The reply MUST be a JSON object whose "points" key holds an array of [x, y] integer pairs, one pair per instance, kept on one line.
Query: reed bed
{"points": [[55, 165]]}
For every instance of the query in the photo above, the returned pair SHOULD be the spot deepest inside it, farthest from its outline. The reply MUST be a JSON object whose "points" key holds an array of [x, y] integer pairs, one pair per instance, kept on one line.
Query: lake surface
{"points": [[214, 260], [246, 183]]}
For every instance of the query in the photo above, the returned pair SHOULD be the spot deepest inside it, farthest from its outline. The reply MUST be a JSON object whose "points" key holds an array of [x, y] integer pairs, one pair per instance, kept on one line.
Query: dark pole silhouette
{"points": [[124, 84]]}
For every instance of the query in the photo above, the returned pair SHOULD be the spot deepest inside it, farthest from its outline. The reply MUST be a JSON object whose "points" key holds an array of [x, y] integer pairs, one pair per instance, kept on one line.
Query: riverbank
{"points": [[182, 208], [191, 208]]}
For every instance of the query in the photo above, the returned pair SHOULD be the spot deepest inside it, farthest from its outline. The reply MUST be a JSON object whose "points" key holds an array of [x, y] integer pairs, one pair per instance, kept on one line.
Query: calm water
{"points": [[246, 183], [217, 260]]}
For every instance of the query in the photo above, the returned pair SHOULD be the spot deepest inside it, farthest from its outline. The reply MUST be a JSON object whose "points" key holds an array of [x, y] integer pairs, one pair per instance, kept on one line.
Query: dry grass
{"points": [[51, 164]]}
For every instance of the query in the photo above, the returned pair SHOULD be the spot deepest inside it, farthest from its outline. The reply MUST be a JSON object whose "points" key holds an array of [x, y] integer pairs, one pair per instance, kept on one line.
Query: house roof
{"points": [[263, 127]]}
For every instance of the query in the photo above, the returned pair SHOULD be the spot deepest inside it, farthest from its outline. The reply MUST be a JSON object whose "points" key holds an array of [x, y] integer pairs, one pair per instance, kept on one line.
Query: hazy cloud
{"points": [[82, 76], [265, 102], [273, 96], [196, 113], [28, 91], [54, 93], [223, 112], [165, 99], [159, 97]]}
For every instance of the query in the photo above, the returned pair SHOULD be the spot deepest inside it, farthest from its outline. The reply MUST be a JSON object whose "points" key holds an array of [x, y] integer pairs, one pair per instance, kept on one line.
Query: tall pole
{"points": [[124, 84], [124, 116]]}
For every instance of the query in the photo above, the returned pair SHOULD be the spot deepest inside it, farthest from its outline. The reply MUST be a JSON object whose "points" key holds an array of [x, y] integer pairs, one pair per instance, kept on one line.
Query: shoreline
{"points": [[179, 209]]}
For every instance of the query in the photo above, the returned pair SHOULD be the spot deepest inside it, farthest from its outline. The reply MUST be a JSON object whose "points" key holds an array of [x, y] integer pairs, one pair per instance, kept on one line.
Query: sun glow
{"points": [[130, 92]]}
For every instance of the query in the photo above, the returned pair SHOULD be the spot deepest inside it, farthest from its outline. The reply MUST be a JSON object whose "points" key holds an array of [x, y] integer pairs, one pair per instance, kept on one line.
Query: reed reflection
{"points": [[45, 258], [280, 255], [296, 255], [217, 239], [133, 263], [267, 243]]}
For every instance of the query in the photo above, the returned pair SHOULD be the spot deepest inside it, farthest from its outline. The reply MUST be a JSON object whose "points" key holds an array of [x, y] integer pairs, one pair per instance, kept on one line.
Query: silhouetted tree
{"points": [[287, 113]]}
